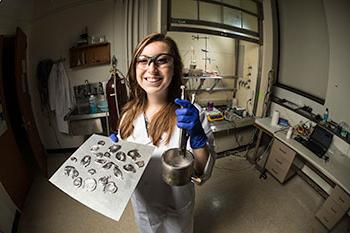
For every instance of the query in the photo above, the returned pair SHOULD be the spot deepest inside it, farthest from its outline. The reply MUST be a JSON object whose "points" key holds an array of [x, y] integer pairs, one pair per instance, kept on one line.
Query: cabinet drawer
{"points": [[326, 218], [341, 197], [283, 151], [330, 213], [275, 169], [280, 161], [333, 208]]}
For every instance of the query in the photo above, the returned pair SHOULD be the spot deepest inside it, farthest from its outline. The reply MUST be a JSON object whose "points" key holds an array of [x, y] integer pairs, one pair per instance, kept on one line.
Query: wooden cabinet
{"points": [[334, 208], [280, 161], [90, 55]]}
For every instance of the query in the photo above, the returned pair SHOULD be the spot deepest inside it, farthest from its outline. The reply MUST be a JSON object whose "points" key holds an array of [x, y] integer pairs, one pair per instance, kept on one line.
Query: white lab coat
{"points": [[60, 98], [158, 207]]}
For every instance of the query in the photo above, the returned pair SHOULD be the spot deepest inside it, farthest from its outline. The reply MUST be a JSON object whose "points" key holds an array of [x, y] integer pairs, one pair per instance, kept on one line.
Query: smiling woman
{"points": [[155, 77], [151, 117], [157, 80]]}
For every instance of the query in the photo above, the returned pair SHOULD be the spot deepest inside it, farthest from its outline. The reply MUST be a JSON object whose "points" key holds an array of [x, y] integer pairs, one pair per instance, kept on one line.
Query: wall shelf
{"points": [[90, 55]]}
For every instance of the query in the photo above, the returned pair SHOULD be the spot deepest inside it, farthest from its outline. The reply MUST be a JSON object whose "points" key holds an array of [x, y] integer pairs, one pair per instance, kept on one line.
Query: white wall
{"points": [[245, 95], [338, 90], [304, 46], [267, 48], [55, 28], [15, 13], [337, 95], [53, 31]]}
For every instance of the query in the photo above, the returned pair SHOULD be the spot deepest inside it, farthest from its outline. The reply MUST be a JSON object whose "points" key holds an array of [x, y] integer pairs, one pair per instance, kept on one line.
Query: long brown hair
{"points": [[163, 121]]}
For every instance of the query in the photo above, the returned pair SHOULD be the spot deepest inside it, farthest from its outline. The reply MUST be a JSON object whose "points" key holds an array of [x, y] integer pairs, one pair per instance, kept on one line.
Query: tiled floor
{"points": [[233, 200]]}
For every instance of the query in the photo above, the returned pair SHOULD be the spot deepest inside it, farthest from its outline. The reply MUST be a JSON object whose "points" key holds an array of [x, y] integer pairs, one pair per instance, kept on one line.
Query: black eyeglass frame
{"points": [[153, 59]]}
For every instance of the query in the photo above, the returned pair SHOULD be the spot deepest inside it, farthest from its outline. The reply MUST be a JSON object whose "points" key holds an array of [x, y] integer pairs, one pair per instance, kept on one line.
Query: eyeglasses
{"points": [[161, 60]]}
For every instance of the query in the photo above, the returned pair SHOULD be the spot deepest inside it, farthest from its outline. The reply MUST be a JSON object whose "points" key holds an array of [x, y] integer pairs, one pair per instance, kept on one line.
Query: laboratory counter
{"points": [[223, 125], [287, 156], [337, 168]]}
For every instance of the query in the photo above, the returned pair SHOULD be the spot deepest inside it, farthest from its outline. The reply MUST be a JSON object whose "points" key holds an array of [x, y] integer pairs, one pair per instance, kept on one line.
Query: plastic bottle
{"points": [[102, 105], [289, 133], [92, 104], [326, 115]]}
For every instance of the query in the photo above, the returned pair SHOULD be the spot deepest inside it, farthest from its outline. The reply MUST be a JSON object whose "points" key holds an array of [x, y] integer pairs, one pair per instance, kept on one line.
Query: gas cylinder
{"points": [[116, 99]]}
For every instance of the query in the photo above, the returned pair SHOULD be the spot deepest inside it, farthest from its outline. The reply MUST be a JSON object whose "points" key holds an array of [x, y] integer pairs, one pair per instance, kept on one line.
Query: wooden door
{"points": [[24, 101], [14, 172]]}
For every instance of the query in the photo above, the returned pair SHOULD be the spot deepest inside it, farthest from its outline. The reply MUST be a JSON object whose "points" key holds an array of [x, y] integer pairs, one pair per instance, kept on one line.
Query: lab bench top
{"points": [[75, 117], [223, 125], [337, 168]]}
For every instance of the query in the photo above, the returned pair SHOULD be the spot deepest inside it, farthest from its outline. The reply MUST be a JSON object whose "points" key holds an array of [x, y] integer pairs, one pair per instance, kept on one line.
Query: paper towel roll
{"points": [[275, 117]]}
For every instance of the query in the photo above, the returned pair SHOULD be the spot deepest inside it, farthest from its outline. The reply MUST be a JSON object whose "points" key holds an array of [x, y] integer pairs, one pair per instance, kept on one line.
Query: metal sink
{"points": [[84, 123], [81, 121], [79, 115]]}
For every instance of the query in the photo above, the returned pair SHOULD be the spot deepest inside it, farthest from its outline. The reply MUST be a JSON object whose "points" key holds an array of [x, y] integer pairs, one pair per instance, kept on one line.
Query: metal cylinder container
{"points": [[177, 168]]}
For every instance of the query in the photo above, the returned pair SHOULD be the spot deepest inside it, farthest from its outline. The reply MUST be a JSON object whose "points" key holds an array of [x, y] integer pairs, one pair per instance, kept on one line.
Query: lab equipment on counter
{"points": [[344, 129], [283, 122], [215, 115], [240, 111], [102, 104], [210, 106], [82, 94], [289, 133], [319, 141], [326, 115], [275, 117], [92, 104], [231, 114]]}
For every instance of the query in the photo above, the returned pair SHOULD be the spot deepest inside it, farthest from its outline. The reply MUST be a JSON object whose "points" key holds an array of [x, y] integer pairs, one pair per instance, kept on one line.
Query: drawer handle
{"points": [[341, 199], [282, 150], [324, 218], [278, 161], [274, 170], [334, 211]]}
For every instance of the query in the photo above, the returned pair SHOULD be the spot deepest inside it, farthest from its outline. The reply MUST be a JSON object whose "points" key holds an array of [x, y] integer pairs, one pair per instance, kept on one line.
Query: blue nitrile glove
{"points": [[188, 118], [114, 136]]}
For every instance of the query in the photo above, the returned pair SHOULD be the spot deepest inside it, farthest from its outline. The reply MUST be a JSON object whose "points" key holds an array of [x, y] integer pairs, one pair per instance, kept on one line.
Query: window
{"points": [[239, 19], [303, 48]]}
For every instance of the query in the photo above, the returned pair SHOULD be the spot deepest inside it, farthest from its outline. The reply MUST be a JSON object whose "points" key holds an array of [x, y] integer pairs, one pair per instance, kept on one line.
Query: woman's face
{"points": [[155, 69]]}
